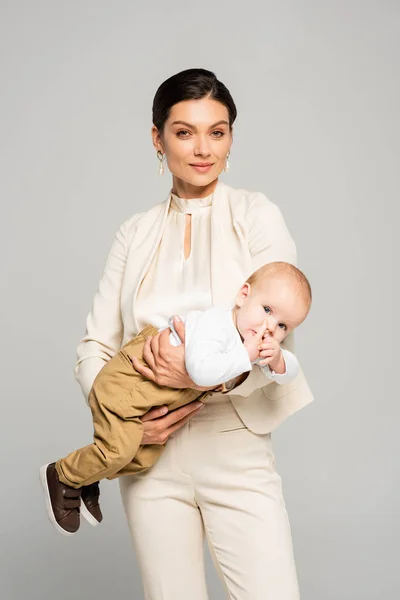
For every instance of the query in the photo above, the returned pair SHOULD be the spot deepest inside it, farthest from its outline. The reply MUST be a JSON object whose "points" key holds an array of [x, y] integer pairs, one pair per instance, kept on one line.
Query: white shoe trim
{"points": [[88, 516]]}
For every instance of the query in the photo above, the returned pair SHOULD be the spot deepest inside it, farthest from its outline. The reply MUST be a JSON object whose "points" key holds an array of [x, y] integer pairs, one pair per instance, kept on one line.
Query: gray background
{"points": [[316, 85]]}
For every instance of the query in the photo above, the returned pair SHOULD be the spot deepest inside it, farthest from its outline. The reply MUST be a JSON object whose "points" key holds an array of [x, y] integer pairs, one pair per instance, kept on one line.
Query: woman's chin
{"points": [[197, 179]]}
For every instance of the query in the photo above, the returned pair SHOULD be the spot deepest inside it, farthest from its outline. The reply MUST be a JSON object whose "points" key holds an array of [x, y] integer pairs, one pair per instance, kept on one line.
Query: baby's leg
{"points": [[116, 440], [118, 430], [118, 398], [145, 458]]}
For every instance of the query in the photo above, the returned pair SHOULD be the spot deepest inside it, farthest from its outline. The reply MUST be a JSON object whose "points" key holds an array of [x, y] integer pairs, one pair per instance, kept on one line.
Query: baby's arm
{"points": [[291, 372], [213, 351]]}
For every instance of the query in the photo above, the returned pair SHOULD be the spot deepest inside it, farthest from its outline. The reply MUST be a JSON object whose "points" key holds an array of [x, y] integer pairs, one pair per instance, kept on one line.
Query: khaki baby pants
{"points": [[118, 398]]}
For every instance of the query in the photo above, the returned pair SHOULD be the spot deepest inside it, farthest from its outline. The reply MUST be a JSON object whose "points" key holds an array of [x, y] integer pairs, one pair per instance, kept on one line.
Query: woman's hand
{"points": [[166, 363], [158, 424]]}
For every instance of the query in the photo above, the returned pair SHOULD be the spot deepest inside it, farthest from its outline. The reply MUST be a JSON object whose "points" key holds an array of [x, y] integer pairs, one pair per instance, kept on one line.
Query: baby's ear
{"points": [[242, 294]]}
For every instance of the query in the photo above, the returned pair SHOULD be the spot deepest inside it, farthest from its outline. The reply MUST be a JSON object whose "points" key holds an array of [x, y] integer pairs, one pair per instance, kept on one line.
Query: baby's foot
{"points": [[62, 501], [90, 508]]}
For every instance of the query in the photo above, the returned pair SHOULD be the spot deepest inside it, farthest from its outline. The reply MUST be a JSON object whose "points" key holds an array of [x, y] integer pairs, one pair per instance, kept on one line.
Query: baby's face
{"points": [[276, 300]]}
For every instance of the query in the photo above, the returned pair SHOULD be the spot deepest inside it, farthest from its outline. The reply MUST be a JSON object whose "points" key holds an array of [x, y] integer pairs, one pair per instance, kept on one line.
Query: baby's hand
{"points": [[270, 352], [253, 340]]}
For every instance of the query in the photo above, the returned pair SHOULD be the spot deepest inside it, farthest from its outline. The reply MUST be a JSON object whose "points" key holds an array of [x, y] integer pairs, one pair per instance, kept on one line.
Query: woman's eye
{"points": [[218, 134], [267, 309], [183, 133]]}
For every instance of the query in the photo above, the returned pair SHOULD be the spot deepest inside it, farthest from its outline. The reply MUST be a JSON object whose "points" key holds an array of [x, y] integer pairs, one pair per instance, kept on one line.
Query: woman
{"points": [[216, 477]]}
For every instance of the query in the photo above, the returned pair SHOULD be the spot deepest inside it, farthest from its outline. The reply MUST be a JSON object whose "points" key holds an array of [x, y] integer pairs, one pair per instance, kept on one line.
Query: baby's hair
{"points": [[274, 269]]}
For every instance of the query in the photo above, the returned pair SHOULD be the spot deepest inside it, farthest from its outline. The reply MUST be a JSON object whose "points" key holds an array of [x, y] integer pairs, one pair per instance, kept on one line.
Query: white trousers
{"points": [[215, 479]]}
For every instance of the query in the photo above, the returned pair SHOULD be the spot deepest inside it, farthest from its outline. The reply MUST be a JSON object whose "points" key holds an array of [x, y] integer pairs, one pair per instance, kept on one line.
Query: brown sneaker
{"points": [[90, 508], [62, 501]]}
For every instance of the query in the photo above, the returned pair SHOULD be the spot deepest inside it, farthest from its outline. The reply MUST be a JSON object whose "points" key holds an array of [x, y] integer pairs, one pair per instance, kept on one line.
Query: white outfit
{"points": [[216, 480], [216, 477], [215, 353]]}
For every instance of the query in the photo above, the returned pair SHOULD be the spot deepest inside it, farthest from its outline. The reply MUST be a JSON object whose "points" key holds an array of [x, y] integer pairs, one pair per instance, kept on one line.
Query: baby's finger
{"points": [[264, 362], [267, 350], [261, 330], [266, 356], [265, 346]]}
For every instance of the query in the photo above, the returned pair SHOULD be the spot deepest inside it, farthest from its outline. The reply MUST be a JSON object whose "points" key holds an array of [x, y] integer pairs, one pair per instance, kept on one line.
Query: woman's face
{"points": [[196, 140]]}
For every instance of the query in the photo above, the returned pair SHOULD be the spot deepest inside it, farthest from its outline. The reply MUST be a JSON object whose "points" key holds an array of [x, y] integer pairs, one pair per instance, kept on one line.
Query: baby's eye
{"points": [[267, 309], [282, 326]]}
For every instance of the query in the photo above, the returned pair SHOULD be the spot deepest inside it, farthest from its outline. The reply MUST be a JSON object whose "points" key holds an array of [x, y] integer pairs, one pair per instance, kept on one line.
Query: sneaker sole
{"points": [[50, 514], [88, 516]]}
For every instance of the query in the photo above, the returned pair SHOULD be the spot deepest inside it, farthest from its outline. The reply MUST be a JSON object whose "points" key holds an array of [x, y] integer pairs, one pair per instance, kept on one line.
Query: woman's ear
{"points": [[156, 135]]}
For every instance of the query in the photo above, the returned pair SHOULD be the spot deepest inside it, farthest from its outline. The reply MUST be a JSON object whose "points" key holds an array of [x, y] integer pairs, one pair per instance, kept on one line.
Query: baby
{"points": [[220, 344]]}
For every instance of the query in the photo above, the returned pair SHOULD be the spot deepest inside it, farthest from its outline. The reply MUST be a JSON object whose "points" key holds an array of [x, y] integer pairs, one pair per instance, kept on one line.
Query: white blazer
{"points": [[247, 231]]}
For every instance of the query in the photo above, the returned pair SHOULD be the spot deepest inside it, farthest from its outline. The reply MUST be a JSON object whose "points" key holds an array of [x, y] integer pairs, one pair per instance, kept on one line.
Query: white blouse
{"points": [[158, 297]]}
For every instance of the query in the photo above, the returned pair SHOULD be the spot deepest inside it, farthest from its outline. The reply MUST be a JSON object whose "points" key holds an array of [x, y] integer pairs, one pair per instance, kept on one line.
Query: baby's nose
{"points": [[271, 326]]}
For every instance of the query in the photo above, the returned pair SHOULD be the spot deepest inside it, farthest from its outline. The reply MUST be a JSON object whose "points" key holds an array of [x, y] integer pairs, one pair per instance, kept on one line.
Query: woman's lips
{"points": [[202, 168]]}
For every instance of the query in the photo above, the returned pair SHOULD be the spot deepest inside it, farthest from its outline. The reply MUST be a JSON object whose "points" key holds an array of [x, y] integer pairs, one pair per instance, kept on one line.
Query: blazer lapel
{"points": [[145, 242], [230, 256]]}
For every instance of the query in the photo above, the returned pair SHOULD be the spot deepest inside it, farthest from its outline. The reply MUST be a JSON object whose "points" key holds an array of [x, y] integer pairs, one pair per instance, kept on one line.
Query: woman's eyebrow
{"points": [[222, 122]]}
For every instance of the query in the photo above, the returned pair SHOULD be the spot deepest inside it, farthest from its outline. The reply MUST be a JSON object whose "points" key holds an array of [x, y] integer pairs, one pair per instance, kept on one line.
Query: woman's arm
{"points": [[104, 323]]}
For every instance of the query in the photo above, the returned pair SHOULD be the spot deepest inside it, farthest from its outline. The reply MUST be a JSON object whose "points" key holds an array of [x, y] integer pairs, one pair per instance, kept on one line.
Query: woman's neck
{"points": [[186, 190]]}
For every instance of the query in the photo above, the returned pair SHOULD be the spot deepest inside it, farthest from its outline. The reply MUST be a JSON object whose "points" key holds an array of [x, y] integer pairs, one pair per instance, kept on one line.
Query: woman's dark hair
{"points": [[191, 84]]}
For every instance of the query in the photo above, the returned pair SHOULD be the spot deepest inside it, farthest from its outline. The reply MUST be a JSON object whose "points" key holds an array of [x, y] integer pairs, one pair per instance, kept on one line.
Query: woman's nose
{"points": [[202, 147]]}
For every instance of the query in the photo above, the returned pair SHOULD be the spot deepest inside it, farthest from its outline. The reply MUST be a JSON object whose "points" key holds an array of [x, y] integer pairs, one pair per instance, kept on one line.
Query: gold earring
{"points": [[226, 168], [160, 157]]}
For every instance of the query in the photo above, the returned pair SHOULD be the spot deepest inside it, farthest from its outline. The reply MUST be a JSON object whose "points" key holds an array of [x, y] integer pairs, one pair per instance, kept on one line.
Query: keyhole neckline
{"points": [[190, 205]]}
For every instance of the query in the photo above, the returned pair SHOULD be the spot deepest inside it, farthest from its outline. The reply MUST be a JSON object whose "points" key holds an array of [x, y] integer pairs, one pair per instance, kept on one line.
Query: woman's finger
{"points": [[163, 345], [155, 350], [182, 421], [154, 413], [148, 354], [142, 369], [180, 413], [180, 329]]}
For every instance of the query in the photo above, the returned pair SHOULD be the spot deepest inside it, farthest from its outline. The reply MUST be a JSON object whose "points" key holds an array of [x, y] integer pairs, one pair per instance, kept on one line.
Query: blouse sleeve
{"points": [[104, 327], [269, 240]]}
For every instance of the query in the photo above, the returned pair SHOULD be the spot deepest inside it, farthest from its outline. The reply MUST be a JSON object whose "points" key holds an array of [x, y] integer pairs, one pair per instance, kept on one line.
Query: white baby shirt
{"points": [[215, 353]]}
